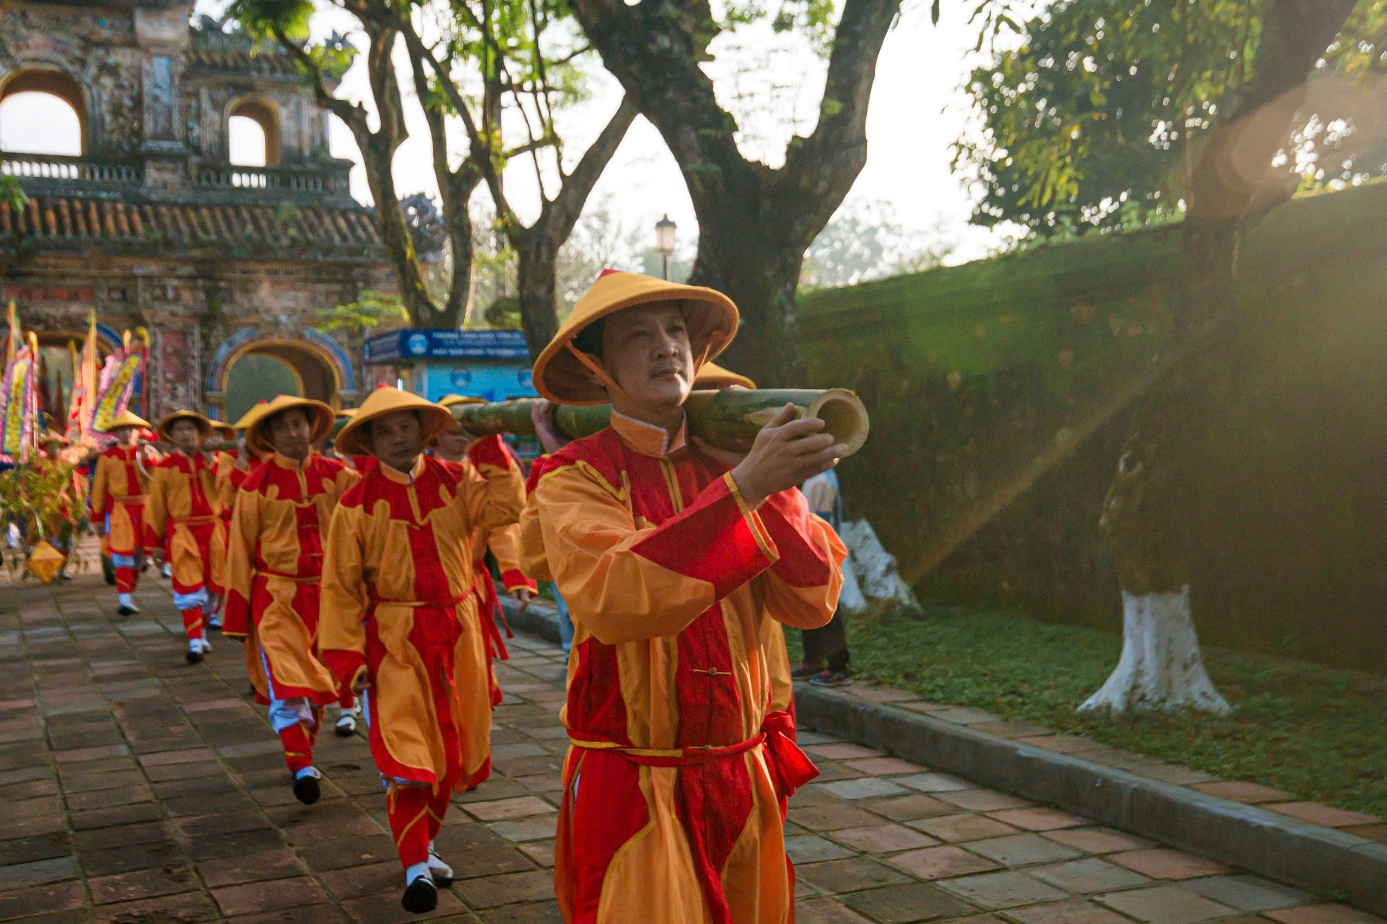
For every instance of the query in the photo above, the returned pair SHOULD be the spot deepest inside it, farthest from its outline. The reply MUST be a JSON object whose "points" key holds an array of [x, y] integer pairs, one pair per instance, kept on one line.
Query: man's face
{"points": [[290, 432], [646, 351], [185, 435], [453, 443], [397, 439], [127, 436]]}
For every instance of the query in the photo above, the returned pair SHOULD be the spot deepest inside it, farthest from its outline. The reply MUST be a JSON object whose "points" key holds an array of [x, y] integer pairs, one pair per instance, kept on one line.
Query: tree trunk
{"points": [[395, 235], [1147, 511], [536, 265], [739, 260]]}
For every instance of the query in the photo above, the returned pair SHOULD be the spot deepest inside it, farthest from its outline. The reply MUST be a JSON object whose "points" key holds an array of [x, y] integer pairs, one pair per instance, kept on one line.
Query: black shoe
{"points": [[831, 679], [804, 672], [127, 611], [194, 657], [421, 897], [307, 791]]}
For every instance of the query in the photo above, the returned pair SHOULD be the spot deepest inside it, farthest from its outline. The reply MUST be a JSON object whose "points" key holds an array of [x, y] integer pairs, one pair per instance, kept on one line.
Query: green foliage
{"points": [[1091, 120], [42, 499], [357, 318], [11, 193], [816, 20], [1311, 730]]}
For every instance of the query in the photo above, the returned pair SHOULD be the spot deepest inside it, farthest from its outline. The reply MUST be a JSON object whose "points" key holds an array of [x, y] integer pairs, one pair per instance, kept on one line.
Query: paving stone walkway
{"points": [[137, 788]]}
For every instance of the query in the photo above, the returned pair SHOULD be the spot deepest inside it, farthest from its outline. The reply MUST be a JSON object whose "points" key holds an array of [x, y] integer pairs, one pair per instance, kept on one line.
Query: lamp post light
{"points": [[664, 240]]}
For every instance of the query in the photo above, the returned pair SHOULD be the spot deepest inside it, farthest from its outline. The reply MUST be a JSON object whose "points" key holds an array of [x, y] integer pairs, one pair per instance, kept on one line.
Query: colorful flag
{"points": [[84, 380], [117, 381], [19, 398]]}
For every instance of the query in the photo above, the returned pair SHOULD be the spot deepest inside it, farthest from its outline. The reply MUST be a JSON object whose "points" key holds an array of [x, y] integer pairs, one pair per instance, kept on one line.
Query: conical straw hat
{"points": [[354, 438], [127, 419], [320, 418], [204, 426], [563, 373], [711, 375]]}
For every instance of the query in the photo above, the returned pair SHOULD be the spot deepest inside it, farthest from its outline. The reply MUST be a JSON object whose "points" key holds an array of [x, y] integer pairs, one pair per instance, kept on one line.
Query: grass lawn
{"points": [[1313, 731]]}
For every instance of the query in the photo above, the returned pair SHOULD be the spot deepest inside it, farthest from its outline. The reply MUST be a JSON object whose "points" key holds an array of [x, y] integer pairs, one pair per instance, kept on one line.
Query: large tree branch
{"points": [[560, 214], [835, 153], [1232, 174], [456, 188]]}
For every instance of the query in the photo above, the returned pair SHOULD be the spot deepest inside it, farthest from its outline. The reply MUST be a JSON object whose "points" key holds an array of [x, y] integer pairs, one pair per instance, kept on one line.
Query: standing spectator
{"points": [[826, 648]]}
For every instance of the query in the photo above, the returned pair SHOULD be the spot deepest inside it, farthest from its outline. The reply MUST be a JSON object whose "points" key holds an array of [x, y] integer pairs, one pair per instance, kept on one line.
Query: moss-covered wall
{"points": [[999, 390]]}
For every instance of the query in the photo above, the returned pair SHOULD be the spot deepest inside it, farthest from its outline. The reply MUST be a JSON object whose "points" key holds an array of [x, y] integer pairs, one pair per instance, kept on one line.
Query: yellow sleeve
{"points": [[341, 636], [240, 562], [534, 563], [494, 496], [626, 584], [802, 589], [98, 487], [156, 510]]}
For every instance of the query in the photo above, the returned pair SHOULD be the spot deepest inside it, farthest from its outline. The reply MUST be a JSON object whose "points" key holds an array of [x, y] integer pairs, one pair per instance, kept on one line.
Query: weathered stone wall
{"points": [[999, 391], [189, 308]]}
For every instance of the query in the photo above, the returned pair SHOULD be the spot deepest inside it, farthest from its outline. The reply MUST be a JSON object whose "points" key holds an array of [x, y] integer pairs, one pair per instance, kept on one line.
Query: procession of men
{"points": [[348, 554]]}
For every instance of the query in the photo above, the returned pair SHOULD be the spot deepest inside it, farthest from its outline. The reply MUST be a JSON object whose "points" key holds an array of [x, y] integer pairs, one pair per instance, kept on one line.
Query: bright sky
{"points": [[771, 83]]}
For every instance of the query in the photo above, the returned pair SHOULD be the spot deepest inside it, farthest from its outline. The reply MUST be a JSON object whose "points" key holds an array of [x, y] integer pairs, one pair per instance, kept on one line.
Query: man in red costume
{"points": [[274, 569], [672, 558], [117, 501], [179, 521], [399, 620]]}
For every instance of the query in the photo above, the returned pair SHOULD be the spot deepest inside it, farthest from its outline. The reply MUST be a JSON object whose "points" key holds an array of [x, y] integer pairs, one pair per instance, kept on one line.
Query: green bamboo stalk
{"points": [[727, 419]]}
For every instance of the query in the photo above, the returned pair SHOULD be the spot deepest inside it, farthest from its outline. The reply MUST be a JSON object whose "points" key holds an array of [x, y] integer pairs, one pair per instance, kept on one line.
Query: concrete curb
{"points": [[1327, 861]]}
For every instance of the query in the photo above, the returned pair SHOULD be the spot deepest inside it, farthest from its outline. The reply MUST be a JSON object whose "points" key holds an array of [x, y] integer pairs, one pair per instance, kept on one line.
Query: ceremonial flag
{"points": [[117, 381], [18, 397], [84, 380]]}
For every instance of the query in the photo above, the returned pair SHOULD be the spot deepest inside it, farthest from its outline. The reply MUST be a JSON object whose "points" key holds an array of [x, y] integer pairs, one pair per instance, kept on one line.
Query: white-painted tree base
{"points": [[874, 570], [1161, 666]]}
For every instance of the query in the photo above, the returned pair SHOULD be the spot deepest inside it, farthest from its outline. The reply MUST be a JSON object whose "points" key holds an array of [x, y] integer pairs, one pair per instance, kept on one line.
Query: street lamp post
{"points": [[664, 240]]}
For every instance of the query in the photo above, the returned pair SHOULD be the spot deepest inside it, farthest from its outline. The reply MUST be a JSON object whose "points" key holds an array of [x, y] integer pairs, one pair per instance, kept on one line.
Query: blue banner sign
{"points": [[412, 344]]}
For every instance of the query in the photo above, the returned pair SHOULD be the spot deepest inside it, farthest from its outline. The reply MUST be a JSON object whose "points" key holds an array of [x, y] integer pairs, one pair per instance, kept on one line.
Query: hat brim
{"points": [[204, 426], [355, 438], [126, 419], [710, 316], [320, 418]]}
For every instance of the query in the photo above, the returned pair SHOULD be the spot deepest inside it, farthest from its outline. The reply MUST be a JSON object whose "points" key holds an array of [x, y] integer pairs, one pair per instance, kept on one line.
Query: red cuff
{"points": [[803, 562], [716, 539], [345, 665], [514, 581], [489, 450]]}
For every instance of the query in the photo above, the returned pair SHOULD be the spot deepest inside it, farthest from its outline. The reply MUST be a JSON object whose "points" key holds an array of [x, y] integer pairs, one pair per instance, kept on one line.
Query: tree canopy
{"points": [[1092, 116]]}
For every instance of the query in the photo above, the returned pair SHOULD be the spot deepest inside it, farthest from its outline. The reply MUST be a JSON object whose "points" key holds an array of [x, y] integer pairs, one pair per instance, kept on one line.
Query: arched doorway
{"points": [[249, 369], [43, 112]]}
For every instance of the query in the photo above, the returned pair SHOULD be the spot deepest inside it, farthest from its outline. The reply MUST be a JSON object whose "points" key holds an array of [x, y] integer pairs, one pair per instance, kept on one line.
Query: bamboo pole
{"points": [[727, 419]]}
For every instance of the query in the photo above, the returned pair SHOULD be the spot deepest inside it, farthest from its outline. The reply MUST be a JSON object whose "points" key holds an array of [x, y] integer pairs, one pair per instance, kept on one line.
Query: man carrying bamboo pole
{"points": [[399, 623], [119, 485], [274, 569], [672, 557]]}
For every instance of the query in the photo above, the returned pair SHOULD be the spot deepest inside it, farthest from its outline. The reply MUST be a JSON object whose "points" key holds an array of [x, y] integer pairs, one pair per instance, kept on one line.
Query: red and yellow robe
{"points": [[178, 518], [274, 568], [227, 476], [674, 786], [398, 604], [488, 454], [118, 489]]}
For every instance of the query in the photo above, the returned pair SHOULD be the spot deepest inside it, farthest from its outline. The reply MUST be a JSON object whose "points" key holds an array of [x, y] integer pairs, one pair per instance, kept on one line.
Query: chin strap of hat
{"points": [[596, 369]]}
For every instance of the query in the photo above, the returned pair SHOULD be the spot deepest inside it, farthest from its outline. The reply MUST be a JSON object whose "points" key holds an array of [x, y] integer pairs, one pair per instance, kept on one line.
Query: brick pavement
{"points": [[137, 788]]}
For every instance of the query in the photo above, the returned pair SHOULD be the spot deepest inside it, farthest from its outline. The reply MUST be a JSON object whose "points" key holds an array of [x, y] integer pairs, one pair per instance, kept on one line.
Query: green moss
{"points": [[1313, 731]]}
